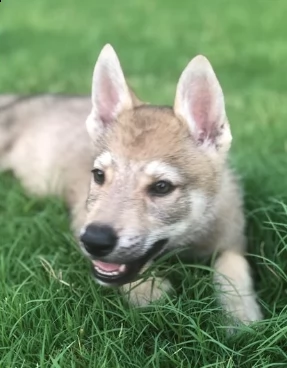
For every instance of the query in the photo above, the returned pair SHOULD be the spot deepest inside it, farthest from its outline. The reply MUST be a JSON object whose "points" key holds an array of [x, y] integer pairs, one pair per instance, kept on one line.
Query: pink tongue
{"points": [[109, 267]]}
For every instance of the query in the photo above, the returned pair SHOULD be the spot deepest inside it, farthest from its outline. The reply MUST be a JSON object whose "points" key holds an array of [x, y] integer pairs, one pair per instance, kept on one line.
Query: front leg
{"points": [[143, 292], [234, 282]]}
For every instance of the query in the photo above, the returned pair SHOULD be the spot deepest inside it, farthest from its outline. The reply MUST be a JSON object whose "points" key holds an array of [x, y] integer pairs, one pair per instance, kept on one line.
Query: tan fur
{"points": [[50, 151], [235, 286], [141, 293]]}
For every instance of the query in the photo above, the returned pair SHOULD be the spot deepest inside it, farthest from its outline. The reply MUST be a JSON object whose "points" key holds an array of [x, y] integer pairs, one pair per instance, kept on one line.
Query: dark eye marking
{"points": [[99, 176], [161, 188]]}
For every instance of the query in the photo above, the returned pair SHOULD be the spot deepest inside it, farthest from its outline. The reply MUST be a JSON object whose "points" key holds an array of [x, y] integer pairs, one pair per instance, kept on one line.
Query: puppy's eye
{"points": [[99, 176], [161, 188]]}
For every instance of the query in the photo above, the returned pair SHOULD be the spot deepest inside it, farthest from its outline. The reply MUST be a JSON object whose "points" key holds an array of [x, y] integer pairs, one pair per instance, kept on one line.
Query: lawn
{"points": [[52, 314]]}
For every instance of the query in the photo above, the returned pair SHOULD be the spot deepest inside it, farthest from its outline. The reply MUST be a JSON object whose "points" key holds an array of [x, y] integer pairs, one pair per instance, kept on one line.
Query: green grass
{"points": [[64, 319]]}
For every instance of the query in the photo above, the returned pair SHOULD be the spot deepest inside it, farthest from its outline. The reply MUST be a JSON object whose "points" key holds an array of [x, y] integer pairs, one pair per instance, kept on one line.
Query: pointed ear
{"points": [[110, 92], [200, 102]]}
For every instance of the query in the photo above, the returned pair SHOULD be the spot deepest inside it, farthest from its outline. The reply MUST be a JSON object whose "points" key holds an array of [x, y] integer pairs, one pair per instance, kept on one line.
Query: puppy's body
{"points": [[43, 140], [161, 180]]}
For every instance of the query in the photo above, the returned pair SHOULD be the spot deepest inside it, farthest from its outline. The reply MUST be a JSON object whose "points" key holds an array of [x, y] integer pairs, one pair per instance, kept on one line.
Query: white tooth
{"points": [[113, 273], [122, 268]]}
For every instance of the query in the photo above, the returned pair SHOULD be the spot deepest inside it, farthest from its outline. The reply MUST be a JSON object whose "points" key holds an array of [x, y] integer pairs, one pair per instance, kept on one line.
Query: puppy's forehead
{"points": [[148, 133]]}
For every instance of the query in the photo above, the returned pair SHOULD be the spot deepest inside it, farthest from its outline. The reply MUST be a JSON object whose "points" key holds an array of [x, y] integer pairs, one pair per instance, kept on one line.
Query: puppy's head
{"points": [[156, 170]]}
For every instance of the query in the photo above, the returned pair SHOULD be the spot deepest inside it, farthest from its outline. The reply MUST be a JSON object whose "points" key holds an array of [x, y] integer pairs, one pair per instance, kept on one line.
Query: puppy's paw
{"points": [[235, 288], [141, 293], [246, 309]]}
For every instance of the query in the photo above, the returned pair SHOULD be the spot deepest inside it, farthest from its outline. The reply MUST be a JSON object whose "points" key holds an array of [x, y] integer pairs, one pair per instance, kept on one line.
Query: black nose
{"points": [[99, 240]]}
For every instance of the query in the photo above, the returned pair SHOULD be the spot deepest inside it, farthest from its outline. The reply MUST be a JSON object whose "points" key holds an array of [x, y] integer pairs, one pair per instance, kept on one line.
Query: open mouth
{"points": [[119, 274]]}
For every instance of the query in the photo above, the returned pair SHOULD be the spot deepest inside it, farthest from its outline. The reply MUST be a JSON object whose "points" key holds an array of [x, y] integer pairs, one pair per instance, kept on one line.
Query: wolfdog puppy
{"points": [[140, 180]]}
